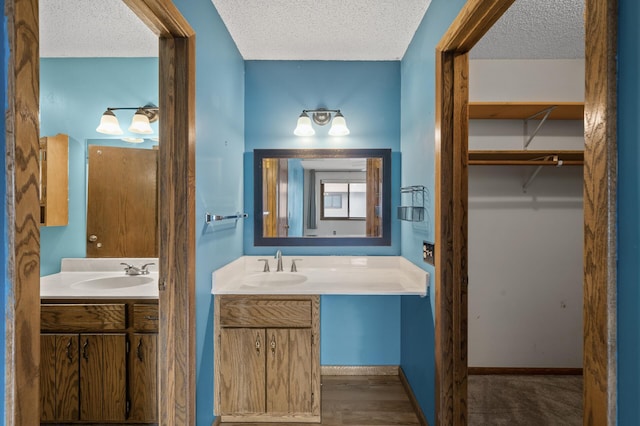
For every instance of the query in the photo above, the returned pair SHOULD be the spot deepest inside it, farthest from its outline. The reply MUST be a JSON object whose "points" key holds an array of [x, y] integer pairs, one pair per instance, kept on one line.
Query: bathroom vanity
{"points": [[267, 361], [267, 328], [99, 331]]}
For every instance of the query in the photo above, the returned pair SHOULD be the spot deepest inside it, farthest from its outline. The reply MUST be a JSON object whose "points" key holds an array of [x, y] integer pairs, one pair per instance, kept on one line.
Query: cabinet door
{"points": [[143, 378], [103, 377], [242, 375], [289, 367], [59, 380]]}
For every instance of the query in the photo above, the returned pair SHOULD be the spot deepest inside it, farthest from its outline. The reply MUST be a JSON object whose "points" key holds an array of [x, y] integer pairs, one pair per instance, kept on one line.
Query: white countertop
{"points": [[64, 285], [324, 275]]}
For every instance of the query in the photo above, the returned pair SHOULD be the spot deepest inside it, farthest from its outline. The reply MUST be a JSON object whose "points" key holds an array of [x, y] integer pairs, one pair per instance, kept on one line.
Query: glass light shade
{"points": [[109, 124], [133, 140], [304, 127], [140, 124], [339, 126]]}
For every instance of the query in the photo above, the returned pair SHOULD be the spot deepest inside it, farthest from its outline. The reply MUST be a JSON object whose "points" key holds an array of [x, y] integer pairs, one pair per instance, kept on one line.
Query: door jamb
{"points": [[599, 312], [176, 212]]}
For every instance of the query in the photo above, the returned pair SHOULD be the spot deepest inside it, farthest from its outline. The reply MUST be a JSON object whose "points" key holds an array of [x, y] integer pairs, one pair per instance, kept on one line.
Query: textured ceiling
{"points": [[305, 29], [536, 29], [86, 28], [323, 30]]}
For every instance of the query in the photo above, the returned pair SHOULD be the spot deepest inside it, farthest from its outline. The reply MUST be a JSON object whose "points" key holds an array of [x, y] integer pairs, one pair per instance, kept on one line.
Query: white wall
{"points": [[525, 249]]}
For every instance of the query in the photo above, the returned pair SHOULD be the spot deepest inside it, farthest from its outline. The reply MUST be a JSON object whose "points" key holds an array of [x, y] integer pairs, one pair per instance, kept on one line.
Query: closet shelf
{"points": [[525, 110], [526, 158]]}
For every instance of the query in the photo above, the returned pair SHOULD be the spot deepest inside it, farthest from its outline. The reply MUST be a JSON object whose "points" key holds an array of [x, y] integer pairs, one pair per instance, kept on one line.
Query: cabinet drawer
{"points": [[261, 312], [88, 317], [145, 317]]}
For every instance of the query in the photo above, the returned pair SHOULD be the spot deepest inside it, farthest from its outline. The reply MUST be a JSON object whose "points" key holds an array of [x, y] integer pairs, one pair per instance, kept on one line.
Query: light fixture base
{"points": [[151, 111], [321, 117]]}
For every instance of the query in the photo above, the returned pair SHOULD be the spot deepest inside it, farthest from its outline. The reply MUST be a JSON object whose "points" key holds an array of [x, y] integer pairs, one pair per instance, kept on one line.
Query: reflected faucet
{"points": [[279, 257]]}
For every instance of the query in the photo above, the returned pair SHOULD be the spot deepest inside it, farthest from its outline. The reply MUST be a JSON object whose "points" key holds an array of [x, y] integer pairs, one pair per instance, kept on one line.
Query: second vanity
{"points": [[267, 327], [99, 330]]}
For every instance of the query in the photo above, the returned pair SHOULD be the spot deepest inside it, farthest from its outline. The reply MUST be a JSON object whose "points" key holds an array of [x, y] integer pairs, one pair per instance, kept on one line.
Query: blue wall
{"points": [[219, 148], [418, 168], [368, 94], [628, 208], [74, 92]]}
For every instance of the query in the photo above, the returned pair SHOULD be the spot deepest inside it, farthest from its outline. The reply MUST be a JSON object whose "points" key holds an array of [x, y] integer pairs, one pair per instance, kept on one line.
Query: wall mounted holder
{"points": [[209, 218]]}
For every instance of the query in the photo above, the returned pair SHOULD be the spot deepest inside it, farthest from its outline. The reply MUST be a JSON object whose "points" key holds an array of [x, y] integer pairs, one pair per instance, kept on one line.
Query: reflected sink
{"points": [[274, 279], [107, 283]]}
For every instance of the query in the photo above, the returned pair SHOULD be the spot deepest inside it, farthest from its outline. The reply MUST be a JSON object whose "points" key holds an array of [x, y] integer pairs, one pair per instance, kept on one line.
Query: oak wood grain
{"points": [[83, 317], [177, 95], [300, 365], [243, 378], [59, 396], [452, 69], [600, 181], [278, 375], [54, 180], [289, 357], [260, 312], [22, 213], [122, 204], [525, 110], [143, 383], [145, 317], [102, 377], [176, 364]]}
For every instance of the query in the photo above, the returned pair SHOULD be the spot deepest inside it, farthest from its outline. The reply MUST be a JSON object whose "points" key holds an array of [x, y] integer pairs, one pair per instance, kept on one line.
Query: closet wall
{"points": [[525, 248]]}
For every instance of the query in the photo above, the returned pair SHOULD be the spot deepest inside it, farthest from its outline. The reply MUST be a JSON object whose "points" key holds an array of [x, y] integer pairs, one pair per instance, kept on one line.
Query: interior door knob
{"points": [[93, 238]]}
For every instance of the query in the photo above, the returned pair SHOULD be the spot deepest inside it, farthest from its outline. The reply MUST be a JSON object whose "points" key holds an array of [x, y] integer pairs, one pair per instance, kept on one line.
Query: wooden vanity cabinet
{"points": [[267, 362], [98, 365]]}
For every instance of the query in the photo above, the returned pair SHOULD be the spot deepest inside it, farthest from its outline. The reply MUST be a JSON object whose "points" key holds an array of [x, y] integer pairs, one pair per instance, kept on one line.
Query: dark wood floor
{"points": [[361, 401]]}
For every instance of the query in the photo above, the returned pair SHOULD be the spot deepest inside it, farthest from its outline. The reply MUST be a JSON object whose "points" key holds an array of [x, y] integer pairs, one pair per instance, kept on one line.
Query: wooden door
{"points": [[59, 381], [142, 378], [242, 375], [103, 377], [122, 204], [277, 371], [374, 197], [283, 198], [289, 367]]}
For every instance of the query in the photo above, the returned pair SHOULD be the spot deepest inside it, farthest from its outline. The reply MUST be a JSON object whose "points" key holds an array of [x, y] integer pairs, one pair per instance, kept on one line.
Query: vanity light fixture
{"points": [[139, 124], [321, 117]]}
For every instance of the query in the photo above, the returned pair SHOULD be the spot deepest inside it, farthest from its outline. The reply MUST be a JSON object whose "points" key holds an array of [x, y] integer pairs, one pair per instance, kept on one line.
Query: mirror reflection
{"points": [[311, 197], [122, 198]]}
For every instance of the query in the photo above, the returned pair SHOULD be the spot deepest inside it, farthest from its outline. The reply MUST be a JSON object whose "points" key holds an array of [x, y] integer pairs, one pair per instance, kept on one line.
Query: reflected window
{"points": [[343, 200]]}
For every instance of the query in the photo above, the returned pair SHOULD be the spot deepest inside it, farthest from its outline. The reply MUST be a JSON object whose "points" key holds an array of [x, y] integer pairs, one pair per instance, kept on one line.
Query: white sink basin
{"points": [[274, 279], [107, 283]]}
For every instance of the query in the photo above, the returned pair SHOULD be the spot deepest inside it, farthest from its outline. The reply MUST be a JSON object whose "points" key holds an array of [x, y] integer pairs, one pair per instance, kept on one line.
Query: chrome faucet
{"points": [[279, 257], [134, 270]]}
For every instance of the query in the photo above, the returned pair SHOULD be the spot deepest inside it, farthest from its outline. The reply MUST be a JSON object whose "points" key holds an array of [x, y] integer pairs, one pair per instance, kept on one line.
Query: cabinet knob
{"points": [[93, 238]]}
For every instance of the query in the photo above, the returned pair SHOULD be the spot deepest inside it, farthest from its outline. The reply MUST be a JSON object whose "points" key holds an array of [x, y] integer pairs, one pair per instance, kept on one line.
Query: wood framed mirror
{"points": [[322, 197]]}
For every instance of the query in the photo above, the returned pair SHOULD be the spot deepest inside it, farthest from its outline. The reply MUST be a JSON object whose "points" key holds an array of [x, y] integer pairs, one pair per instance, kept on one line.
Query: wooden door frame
{"points": [[599, 311], [176, 362]]}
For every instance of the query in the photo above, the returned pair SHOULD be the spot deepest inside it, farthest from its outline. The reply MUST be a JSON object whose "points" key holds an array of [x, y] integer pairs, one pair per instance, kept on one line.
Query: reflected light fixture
{"points": [[321, 117], [140, 123]]}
